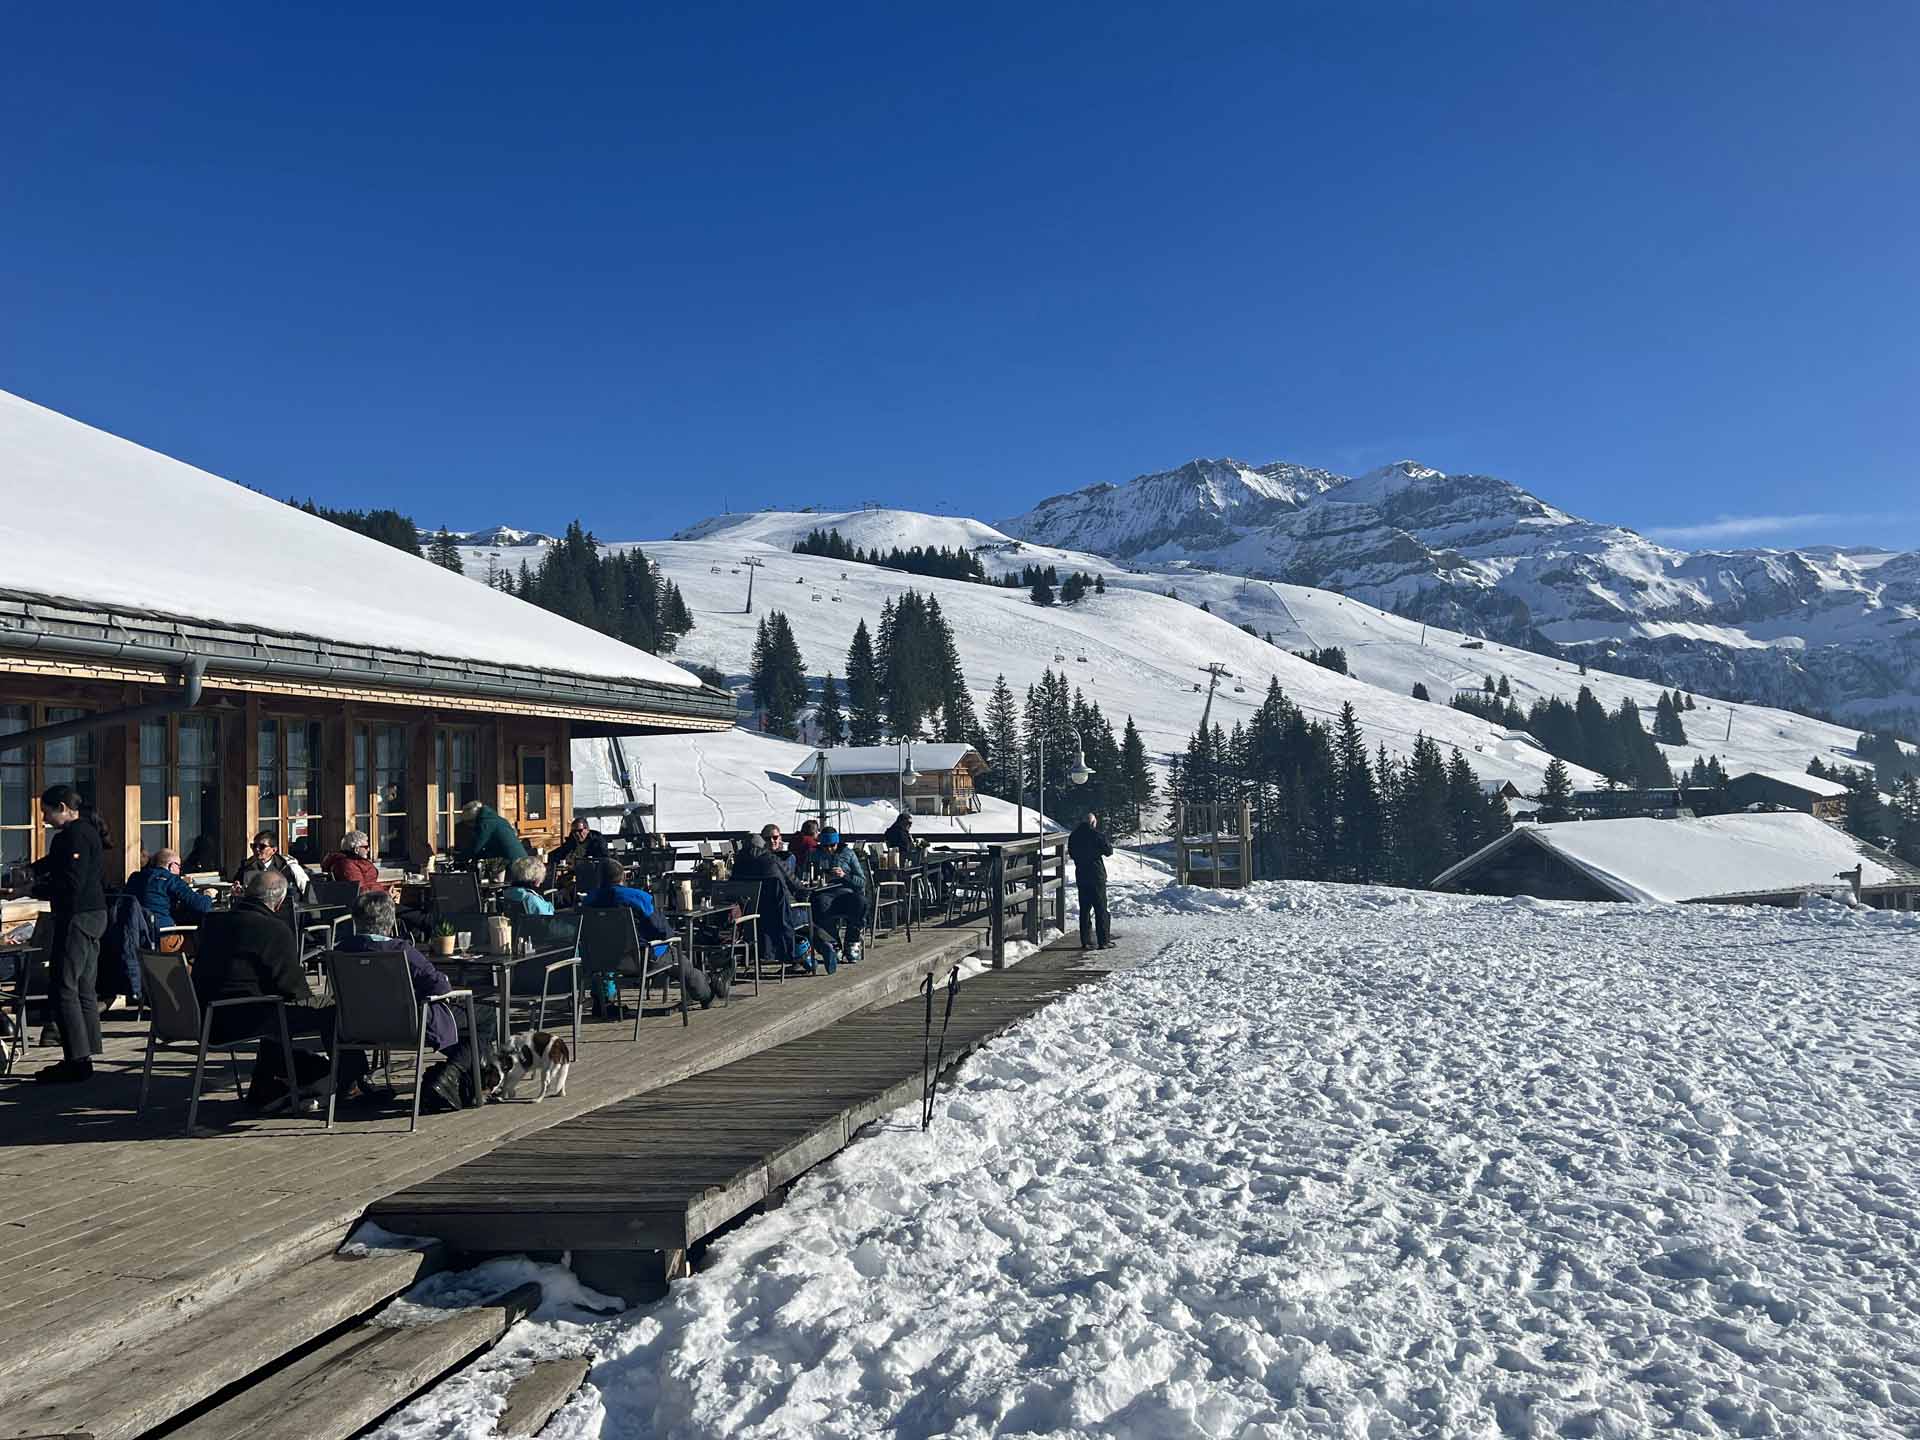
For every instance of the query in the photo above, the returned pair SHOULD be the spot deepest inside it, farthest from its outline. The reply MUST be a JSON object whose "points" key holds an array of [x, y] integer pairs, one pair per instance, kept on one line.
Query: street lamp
{"points": [[1079, 774]]}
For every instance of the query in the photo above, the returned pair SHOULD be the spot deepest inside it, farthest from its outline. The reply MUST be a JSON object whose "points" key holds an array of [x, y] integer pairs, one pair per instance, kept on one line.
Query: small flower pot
{"points": [[443, 944]]}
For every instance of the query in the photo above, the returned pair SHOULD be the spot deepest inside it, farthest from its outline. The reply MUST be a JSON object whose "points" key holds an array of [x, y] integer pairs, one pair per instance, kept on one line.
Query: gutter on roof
{"points": [[185, 698], [38, 627]]}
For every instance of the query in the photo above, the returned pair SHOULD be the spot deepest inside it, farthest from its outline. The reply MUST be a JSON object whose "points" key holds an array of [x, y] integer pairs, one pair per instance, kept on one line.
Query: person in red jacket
{"points": [[352, 861]]}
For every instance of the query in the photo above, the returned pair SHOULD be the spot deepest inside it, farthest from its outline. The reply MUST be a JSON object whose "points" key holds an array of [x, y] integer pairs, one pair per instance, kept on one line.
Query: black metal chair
{"points": [[30, 981], [741, 937], [546, 933], [178, 1018], [610, 944], [375, 1008], [456, 892], [334, 892]]}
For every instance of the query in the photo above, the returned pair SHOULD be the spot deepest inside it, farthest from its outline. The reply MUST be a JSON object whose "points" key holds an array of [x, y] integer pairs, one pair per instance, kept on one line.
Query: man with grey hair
{"points": [[376, 927], [250, 952], [354, 861]]}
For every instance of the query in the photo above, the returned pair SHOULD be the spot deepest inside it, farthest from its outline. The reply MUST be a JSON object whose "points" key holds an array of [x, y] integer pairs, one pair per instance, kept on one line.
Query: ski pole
{"points": [[933, 1091], [926, 1050]]}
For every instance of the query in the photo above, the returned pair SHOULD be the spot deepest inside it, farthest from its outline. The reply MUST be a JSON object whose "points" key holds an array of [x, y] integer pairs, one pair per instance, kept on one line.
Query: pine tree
{"points": [[1505, 692], [1042, 593], [1420, 691], [444, 551], [1556, 795], [1359, 822], [863, 689], [1099, 584], [779, 674], [1002, 749], [829, 718], [1136, 779], [1423, 825], [1073, 589]]}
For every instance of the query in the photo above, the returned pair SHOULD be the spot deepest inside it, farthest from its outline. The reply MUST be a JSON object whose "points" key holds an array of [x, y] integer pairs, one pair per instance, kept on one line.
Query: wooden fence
{"points": [[1026, 881]]}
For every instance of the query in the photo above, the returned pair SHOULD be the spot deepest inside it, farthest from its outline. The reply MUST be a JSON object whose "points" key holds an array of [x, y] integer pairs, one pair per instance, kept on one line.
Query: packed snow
{"points": [[1343, 1161], [215, 551]]}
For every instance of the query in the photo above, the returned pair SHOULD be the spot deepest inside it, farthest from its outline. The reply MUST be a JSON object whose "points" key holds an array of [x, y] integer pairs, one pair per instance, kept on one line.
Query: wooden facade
{"points": [[306, 760]]}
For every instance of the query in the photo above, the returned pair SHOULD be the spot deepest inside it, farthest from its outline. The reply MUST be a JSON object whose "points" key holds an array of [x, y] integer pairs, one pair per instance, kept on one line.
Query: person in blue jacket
{"points": [[165, 897], [614, 891], [843, 895]]}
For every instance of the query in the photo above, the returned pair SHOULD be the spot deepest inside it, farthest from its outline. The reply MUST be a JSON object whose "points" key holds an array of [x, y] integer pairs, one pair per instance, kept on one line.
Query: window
{"points": [[533, 786], [180, 788], [289, 780], [17, 808], [456, 768], [380, 789], [69, 761]]}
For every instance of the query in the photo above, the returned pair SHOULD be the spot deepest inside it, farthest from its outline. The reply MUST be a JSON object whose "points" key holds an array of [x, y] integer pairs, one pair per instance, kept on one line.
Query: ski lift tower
{"points": [[1215, 673], [753, 563]]}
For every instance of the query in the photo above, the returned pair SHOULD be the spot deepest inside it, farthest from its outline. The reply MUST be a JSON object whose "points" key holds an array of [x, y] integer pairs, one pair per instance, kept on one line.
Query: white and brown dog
{"points": [[541, 1057]]}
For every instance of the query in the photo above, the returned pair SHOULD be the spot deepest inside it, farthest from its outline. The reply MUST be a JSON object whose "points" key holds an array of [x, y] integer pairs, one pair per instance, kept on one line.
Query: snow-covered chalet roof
{"points": [[1716, 857], [1796, 780], [91, 521], [923, 757]]}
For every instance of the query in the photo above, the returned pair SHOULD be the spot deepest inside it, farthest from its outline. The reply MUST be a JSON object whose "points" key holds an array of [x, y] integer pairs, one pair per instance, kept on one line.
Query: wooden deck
{"points": [[666, 1168], [117, 1228]]}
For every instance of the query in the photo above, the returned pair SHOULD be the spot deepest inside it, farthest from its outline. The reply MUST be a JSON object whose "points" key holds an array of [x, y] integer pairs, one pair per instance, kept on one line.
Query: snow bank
{"points": [[212, 550], [1354, 1162]]}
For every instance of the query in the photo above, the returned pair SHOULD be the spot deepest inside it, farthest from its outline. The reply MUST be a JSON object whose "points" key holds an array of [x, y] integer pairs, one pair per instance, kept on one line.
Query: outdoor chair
{"points": [[334, 892], [456, 892], [739, 937], [375, 1009], [29, 988], [610, 944], [889, 899], [178, 1018], [559, 931]]}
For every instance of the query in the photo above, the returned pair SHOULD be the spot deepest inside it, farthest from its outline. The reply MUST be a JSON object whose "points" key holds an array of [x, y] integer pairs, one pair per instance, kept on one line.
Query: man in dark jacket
{"points": [[489, 836], [69, 876], [779, 891], [614, 891], [1089, 849], [248, 952], [899, 837], [585, 849]]}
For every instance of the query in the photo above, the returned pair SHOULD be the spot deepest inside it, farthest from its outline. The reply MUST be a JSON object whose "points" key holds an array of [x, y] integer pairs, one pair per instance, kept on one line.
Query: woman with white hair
{"points": [[354, 861], [522, 896]]}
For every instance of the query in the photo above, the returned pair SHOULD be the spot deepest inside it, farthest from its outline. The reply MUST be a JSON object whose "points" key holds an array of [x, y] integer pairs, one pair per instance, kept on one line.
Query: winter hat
{"points": [[829, 836]]}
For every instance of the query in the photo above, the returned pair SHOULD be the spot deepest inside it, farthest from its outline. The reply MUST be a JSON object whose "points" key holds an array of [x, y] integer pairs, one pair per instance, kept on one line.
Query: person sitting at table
{"points": [[249, 951], [522, 895], [377, 927], [167, 899], [267, 855], [899, 837], [584, 848], [354, 861], [490, 836], [614, 891], [779, 892], [804, 847], [844, 896]]}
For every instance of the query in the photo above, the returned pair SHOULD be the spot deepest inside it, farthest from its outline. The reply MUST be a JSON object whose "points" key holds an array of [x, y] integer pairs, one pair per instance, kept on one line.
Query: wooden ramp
{"points": [[664, 1169]]}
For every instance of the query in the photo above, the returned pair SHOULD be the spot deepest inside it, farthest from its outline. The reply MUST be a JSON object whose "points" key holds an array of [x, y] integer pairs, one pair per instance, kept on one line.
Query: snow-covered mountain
{"points": [[1825, 628], [502, 537]]}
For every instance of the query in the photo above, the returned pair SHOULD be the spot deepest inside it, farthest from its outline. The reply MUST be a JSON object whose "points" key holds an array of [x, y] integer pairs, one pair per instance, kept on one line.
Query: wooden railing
{"points": [[1027, 879]]}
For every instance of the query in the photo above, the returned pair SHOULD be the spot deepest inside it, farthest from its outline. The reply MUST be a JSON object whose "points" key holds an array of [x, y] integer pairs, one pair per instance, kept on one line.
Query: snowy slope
{"points": [[81, 507], [1142, 652], [1341, 1162]]}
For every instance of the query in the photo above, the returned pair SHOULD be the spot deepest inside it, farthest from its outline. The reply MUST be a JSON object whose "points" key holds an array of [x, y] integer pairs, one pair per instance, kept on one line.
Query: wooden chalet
{"points": [[1809, 794], [202, 662], [933, 777]]}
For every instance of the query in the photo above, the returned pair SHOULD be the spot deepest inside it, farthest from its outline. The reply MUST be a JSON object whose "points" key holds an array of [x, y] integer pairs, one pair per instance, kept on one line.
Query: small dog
{"points": [[542, 1056]]}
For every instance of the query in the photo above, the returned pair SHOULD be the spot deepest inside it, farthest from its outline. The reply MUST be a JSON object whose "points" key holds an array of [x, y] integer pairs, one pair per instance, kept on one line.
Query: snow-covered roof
{"points": [[93, 521], [1796, 780], [923, 757], [1719, 856]]}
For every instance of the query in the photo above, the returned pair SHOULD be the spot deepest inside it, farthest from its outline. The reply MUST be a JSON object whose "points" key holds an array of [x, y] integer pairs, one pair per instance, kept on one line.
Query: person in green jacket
{"points": [[489, 836]]}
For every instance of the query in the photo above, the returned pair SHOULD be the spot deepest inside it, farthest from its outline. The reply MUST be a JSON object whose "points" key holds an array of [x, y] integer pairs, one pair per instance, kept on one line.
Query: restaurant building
{"points": [[202, 661]]}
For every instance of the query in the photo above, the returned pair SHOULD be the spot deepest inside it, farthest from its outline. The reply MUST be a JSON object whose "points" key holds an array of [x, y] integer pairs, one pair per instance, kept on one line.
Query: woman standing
{"points": [[70, 877]]}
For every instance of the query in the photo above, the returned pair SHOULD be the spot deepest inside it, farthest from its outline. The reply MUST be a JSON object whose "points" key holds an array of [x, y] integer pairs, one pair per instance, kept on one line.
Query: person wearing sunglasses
{"points": [[265, 854]]}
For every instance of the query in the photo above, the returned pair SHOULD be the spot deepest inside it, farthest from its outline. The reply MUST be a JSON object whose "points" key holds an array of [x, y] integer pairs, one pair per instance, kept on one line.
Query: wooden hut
{"points": [[933, 777]]}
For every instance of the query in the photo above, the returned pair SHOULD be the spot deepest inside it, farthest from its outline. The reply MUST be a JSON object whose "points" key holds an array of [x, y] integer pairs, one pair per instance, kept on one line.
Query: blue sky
{"points": [[1656, 263]]}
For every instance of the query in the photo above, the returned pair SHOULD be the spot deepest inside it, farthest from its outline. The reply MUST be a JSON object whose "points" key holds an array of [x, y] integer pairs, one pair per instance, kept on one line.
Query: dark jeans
{"points": [[1093, 910], [73, 971], [845, 904], [304, 1022]]}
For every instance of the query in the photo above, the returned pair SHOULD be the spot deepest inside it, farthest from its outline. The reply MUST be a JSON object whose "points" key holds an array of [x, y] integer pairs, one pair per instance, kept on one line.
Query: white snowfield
{"points": [[1344, 1162], [95, 520]]}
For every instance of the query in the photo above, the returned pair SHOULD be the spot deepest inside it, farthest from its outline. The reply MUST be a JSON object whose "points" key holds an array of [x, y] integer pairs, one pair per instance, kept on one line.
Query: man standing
{"points": [[69, 876], [490, 836], [1089, 849]]}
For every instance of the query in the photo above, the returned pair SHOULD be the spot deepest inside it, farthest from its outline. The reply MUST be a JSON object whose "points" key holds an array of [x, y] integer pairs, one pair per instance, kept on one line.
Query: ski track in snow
{"points": [[1348, 1162]]}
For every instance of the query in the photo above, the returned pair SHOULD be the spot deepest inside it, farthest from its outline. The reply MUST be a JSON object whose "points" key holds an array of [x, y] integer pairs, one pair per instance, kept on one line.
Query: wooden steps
{"points": [[344, 1386], [140, 1386]]}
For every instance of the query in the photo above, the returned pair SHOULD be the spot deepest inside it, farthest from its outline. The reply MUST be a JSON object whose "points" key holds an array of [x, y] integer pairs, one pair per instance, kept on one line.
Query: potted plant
{"points": [[443, 939]]}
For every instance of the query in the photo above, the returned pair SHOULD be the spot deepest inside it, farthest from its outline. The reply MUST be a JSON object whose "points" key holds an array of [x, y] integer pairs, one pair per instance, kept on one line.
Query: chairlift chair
{"points": [[1080, 659], [734, 571], [836, 599]]}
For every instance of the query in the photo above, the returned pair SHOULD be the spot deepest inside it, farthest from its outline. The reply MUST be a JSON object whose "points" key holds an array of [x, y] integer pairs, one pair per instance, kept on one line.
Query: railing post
{"points": [[997, 908], [1060, 887], [1036, 889]]}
